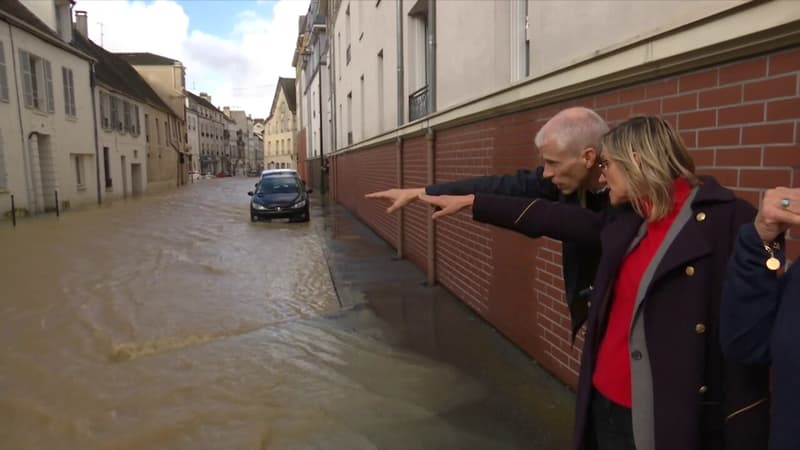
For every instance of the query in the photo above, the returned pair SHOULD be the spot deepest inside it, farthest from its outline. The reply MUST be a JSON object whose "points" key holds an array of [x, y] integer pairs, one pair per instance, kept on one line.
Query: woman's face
{"points": [[613, 176]]}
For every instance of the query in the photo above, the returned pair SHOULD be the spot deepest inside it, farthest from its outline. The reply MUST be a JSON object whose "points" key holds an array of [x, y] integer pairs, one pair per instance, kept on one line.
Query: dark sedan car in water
{"points": [[280, 196]]}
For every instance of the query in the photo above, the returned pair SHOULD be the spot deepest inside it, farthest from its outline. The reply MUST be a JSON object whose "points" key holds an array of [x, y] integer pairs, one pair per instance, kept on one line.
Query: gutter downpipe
{"points": [[322, 168], [30, 197], [92, 84], [400, 75], [431, 56]]}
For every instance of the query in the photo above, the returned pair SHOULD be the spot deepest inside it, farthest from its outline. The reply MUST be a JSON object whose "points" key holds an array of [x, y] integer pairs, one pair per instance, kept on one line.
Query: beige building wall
{"points": [[482, 47], [168, 82], [193, 138], [162, 155], [559, 29], [45, 151], [279, 136], [473, 50], [122, 150], [369, 30]]}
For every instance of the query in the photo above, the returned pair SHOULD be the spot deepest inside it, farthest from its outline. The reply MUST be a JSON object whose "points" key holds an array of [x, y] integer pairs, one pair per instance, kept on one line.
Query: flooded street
{"points": [[173, 322]]}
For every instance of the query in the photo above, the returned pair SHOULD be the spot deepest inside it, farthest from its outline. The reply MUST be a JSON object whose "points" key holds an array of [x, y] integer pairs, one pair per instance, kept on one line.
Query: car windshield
{"points": [[278, 185]]}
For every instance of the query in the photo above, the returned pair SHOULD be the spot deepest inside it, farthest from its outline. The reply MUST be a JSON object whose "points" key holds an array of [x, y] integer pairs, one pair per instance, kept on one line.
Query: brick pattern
{"points": [[740, 121], [415, 215], [361, 173], [464, 247]]}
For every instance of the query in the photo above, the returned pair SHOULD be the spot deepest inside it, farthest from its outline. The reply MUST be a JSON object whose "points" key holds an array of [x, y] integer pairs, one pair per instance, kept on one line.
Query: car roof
{"points": [[277, 171]]}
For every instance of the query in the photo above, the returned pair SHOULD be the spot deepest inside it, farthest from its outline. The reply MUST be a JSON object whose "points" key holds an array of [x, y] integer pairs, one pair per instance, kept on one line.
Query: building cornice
{"points": [[749, 30]]}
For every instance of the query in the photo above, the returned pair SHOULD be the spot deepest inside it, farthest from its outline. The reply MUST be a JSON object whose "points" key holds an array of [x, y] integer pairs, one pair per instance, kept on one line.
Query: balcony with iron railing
{"points": [[418, 104]]}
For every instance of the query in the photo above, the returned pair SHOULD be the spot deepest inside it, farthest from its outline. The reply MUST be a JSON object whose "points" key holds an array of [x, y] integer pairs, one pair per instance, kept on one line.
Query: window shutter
{"points": [[65, 82], [3, 76], [103, 118], [138, 126], [27, 77], [72, 94], [48, 86]]}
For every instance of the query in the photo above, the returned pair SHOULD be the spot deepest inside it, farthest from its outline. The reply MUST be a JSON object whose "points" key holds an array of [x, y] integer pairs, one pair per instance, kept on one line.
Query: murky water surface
{"points": [[172, 322]]}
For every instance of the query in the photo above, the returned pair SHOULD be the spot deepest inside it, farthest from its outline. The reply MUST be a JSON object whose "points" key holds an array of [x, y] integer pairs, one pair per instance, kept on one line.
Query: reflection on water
{"points": [[172, 322]]}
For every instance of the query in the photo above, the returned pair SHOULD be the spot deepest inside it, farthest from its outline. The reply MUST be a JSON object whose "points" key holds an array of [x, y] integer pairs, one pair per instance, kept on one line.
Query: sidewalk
{"points": [[520, 395]]}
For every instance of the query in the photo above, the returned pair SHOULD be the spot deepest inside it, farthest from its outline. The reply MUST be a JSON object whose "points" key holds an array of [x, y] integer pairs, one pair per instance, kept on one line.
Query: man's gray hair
{"points": [[572, 130]]}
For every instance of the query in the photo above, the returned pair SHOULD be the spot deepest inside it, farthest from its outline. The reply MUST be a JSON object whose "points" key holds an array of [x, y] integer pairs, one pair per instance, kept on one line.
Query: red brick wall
{"points": [[359, 173], [415, 216], [741, 121]]}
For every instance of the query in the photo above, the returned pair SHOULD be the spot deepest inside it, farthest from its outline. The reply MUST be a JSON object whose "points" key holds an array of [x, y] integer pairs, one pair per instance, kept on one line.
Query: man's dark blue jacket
{"points": [[579, 261], [759, 325]]}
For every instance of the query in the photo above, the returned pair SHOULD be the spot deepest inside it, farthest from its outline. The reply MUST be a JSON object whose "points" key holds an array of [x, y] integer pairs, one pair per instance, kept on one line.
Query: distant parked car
{"points": [[280, 196], [194, 175]]}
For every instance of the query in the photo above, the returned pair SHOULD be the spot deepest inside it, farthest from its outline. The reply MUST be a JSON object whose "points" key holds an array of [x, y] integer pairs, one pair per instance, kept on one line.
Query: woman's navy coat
{"points": [[699, 400], [759, 326]]}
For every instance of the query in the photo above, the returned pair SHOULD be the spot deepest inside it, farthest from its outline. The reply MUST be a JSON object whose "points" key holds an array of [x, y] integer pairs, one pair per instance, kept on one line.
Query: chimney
{"points": [[205, 96], [81, 23], [227, 111]]}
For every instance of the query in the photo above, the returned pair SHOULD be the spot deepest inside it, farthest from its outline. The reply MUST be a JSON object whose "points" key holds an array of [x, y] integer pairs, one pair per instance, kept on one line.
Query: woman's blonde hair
{"points": [[651, 155]]}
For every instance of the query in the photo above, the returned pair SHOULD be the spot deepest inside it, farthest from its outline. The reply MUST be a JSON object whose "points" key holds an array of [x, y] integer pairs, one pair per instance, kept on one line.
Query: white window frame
{"points": [[69, 92], [126, 116], [116, 124], [3, 174], [137, 127], [3, 76], [80, 174], [37, 82]]}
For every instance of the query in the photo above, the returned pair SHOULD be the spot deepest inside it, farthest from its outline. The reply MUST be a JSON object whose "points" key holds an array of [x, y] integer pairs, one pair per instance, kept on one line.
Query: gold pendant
{"points": [[773, 263]]}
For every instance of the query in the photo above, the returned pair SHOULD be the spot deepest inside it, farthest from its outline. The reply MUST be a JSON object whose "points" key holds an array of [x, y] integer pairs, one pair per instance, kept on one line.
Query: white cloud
{"points": [[239, 70]]}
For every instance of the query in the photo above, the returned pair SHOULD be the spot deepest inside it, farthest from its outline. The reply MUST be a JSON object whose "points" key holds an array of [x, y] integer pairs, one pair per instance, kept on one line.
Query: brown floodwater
{"points": [[172, 322]]}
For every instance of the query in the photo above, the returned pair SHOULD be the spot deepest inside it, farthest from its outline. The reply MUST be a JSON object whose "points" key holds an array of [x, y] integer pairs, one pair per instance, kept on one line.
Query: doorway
{"points": [[124, 176], [136, 179]]}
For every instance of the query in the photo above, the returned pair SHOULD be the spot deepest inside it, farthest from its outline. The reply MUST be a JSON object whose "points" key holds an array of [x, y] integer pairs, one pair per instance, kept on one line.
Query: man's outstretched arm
{"points": [[524, 183]]}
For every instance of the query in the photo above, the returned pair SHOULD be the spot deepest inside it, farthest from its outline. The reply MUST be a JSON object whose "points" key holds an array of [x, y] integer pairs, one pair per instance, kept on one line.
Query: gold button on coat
{"points": [[702, 389], [690, 270], [701, 216], [700, 328]]}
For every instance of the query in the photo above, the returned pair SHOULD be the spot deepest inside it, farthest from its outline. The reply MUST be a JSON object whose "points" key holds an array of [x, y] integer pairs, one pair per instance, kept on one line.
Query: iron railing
{"points": [[418, 104]]}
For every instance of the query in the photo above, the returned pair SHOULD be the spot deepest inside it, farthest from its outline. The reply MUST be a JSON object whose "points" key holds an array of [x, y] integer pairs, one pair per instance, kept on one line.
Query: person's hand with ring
{"points": [[780, 209]]}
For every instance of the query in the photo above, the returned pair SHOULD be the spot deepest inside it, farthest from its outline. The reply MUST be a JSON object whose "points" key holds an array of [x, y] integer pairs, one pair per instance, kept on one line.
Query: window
{"points": [[115, 122], [137, 127], [126, 115], [37, 82], [3, 77], [166, 131], [147, 127], [107, 168], [158, 133], [79, 180], [69, 92], [3, 180], [105, 119]]}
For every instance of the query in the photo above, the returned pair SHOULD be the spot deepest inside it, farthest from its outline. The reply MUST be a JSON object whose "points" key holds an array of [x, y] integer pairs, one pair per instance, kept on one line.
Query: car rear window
{"points": [[278, 185]]}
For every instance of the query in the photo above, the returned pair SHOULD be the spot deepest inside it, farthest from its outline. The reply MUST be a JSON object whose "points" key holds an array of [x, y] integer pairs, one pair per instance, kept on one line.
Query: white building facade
{"points": [[46, 118]]}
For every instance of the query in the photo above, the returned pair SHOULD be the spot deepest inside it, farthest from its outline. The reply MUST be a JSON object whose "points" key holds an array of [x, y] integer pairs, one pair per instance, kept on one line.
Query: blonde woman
{"points": [[652, 375]]}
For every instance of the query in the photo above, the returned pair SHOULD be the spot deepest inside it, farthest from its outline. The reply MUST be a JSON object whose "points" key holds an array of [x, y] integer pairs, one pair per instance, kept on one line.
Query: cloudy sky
{"points": [[233, 50]]}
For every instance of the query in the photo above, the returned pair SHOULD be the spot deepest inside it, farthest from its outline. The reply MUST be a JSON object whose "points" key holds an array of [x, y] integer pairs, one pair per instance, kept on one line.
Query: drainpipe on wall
{"points": [[322, 170], [25, 162], [92, 83], [400, 80], [431, 56]]}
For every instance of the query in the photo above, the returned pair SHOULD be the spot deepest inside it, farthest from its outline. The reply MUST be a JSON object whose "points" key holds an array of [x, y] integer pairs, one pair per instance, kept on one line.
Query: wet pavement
{"points": [[172, 322]]}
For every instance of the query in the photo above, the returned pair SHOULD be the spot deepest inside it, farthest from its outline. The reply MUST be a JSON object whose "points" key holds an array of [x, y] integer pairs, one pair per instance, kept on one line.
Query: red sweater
{"points": [[612, 374]]}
